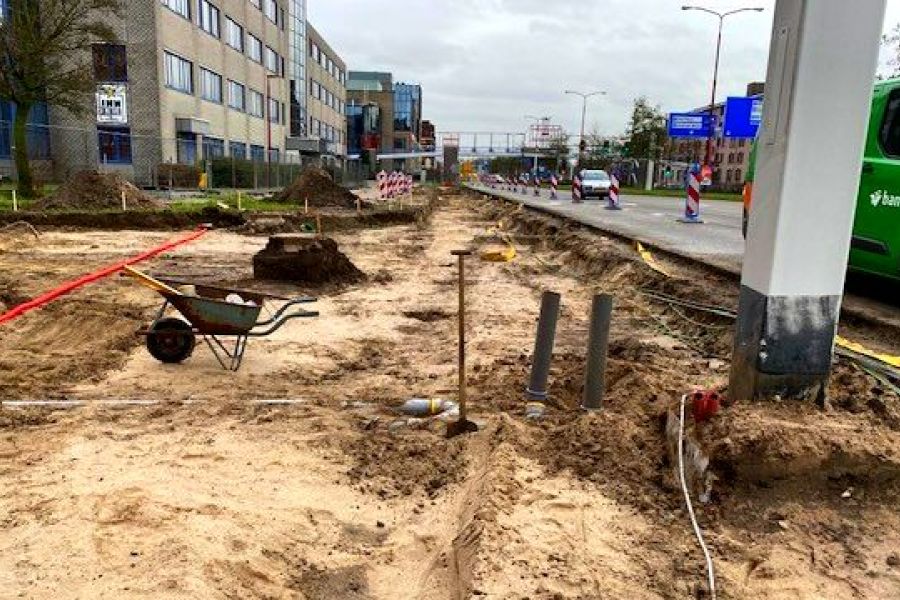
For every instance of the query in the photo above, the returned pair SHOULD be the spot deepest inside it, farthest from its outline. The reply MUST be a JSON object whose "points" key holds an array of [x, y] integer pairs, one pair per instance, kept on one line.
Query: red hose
{"points": [[69, 286]]}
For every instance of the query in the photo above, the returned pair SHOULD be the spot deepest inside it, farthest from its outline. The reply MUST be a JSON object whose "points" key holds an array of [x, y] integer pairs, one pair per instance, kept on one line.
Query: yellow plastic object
{"points": [[203, 181], [498, 253], [649, 260], [150, 282], [894, 361]]}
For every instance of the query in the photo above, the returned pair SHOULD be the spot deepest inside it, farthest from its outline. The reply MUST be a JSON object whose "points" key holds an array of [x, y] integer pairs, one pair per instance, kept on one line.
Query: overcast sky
{"points": [[485, 64]]}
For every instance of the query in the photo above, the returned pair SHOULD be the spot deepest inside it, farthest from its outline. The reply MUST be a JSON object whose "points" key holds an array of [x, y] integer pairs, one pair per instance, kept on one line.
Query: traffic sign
{"points": [[742, 116], [690, 125]]}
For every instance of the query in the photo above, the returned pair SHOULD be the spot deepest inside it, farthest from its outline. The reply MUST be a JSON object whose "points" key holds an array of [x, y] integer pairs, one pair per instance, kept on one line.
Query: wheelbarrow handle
{"points": [[279, 322], [283, 309]]}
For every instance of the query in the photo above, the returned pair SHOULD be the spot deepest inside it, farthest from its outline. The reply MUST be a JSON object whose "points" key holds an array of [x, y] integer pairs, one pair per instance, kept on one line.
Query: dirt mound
{"points": [[319, 188], [96, 191], [306, 258]]}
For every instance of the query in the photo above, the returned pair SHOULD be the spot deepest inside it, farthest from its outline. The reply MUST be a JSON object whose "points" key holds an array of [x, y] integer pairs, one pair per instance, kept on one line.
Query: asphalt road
{"points": [[717, 241], [654, 220]]}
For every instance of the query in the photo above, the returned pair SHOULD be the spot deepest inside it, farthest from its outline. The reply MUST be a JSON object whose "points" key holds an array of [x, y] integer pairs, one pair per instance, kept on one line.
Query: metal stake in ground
{"points": [[598, 342], [462, 425]]}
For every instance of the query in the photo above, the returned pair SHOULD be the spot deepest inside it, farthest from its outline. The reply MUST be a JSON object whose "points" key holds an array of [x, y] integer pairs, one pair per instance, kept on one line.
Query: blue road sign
{"points": [[742, 116], [690, 125]]}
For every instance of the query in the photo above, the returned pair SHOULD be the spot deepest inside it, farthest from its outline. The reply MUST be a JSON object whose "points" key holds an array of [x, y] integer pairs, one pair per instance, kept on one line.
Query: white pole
{"points": [[123, 201], [15, 202], [239, 200]]}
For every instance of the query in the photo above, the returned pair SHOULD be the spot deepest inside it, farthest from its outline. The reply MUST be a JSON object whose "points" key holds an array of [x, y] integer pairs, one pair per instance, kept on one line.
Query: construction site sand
{"points": [[209, 494]]}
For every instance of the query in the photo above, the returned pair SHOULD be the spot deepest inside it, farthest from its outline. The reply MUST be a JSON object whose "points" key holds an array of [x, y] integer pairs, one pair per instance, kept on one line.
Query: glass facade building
{"points": [[408, 108], [363, 128], [297, 66]]}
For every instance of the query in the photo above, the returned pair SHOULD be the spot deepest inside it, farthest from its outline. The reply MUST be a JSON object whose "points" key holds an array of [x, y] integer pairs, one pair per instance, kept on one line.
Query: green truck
{"points": [[875, 246]]}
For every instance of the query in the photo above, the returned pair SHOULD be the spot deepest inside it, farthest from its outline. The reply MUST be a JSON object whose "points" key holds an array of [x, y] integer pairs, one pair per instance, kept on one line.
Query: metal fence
{"points": [[187, 162]]}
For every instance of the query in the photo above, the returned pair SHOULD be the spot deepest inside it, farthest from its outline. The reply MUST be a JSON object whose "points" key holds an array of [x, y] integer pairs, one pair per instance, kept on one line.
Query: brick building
{"points": [[731, 157]]}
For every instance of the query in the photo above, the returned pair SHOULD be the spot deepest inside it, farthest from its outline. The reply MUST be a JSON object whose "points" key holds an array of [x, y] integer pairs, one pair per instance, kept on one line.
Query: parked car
{"points": [[595, 182]]}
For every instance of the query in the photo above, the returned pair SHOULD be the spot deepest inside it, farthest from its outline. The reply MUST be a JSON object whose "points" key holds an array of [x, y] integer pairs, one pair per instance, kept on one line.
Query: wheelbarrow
{"points": [[214, 314]]}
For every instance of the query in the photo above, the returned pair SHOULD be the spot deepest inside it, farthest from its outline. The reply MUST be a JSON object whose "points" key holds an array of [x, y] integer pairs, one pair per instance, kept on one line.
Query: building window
{"points": [[179, 73], [257, 153], [728, 176], [187, 148], [273, 110], [237, 150], [114, 145], [312, 49], [271, 60], [740, 158], [270, 9], [182, 7], [254, 48], [256, 104], [274, 154], [213, 147], [110, 62], [237, 98], [208, 17], [234, 35], [737, 175], [210, 86]]}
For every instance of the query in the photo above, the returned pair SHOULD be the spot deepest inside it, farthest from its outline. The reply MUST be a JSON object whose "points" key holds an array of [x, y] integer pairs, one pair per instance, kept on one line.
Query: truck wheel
{"points": [[170, 340]]}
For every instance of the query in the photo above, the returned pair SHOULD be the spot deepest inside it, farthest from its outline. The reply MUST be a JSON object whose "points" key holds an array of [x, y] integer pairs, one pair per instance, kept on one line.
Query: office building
{"points": [[395, 109], [327, 86], [191, 80]]}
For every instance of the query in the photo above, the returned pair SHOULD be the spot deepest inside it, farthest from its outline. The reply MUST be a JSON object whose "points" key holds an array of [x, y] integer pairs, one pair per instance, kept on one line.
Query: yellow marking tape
{"points": [[894, 361], [649, 260]]}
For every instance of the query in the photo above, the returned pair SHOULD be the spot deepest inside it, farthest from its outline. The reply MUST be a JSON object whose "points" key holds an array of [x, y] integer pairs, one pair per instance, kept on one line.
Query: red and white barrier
{"points": [[613, 203], [553, 185], [692, 200], [381, 180], [576, 189]]}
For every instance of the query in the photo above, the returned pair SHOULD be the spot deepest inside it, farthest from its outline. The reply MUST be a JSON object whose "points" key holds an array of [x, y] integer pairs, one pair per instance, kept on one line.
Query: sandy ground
{"points": [[206, 492]]}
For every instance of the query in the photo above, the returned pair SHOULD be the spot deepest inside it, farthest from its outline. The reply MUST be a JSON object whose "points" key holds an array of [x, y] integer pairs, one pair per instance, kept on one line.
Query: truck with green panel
{"points": [[875, 245]]}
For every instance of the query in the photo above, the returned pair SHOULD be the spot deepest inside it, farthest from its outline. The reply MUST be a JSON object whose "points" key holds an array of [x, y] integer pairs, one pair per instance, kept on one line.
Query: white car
{"points": [[595, 182]]}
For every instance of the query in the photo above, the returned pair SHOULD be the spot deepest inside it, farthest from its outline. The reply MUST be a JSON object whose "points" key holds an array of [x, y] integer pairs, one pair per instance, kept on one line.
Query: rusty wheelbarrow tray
{"points": [[210, 316]]}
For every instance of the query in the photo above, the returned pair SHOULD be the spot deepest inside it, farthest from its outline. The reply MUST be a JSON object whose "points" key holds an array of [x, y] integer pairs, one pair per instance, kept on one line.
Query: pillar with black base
{"points": [[822, 61]]}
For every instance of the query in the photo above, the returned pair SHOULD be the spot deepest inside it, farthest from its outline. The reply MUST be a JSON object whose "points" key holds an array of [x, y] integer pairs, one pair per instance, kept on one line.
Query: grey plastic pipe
{"points": [[543, 347], [598, 345]]}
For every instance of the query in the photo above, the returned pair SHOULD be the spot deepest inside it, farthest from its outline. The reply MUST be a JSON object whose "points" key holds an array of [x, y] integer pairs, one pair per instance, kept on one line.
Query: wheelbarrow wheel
{"points": [[170, 340]]}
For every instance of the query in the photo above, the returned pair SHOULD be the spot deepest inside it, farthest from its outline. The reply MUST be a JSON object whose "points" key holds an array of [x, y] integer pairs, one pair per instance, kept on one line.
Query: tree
{"points": [[891, 41], [559, 150], [647, 130], [44, 57]]}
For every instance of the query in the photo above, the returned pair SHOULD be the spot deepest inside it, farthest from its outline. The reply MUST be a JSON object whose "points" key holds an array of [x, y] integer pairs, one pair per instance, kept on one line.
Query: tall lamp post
{"points": [[584, 99], [712, 101]]}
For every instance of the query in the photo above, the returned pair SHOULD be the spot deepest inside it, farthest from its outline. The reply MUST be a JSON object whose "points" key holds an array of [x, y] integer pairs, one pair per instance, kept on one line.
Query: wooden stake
{"points": [[123, 201], [358, 207], [15, 202], [319, 225], [239, 201], [306, 205]]}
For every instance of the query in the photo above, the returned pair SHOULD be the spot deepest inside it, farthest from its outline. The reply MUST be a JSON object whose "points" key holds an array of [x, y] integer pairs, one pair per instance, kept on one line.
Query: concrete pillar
{"points": [[822, 60]]}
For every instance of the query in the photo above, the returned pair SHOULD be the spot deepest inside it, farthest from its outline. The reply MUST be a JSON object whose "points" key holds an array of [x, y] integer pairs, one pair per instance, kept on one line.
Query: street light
{"points": [[712, 102], [584, 98]]}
